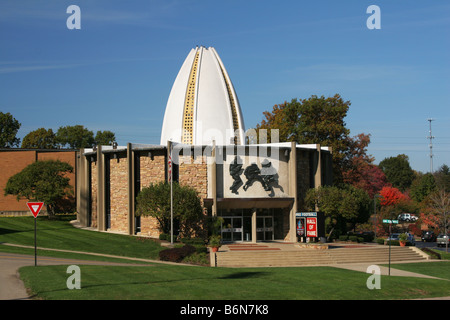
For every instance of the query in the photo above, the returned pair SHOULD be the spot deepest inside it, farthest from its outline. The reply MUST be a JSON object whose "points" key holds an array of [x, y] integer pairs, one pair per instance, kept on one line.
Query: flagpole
{"points": [[169, 144]]}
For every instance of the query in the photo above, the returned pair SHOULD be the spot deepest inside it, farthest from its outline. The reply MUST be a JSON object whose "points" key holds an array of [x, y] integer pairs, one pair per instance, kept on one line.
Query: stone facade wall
{"points": [[118, 172], [152, 170], [94, 187], [194, 173]]}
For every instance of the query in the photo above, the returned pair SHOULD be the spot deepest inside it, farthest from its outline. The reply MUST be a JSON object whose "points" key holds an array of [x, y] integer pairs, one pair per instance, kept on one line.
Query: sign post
{"points": [[390, 221], [35, 208]]}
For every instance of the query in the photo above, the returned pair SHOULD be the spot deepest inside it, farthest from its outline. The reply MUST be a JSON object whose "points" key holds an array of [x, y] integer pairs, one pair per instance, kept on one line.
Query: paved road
{"points": [[12, 288]]}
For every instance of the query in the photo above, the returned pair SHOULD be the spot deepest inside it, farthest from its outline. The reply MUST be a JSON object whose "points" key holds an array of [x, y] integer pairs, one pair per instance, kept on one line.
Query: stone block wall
{"points": [[94, 187], [118, 173], [152, 170]]}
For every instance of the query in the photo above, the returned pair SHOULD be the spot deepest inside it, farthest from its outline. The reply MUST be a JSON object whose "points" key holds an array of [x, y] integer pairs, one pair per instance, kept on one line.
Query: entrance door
{"points": [[232, 229], [264, 228]]}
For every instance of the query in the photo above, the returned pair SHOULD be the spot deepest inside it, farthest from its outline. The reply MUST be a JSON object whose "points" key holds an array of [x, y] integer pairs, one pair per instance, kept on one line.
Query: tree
{"points": [[422, 186], [361, 172], [442, 178], [314, 120], [341, 206], [154, 201], [391, 196], [104, 138], [398, 171], [40, 139], [44, 181], [9, 127], [441, 205], [75, 137]]}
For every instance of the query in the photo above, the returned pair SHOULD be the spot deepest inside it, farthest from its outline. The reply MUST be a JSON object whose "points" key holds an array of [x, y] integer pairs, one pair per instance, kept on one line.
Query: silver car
{"points": [[442, 240]]}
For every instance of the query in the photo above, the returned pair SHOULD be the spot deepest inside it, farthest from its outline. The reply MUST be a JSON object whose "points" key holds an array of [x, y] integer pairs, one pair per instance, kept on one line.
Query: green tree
{"points": [[442, 177], [154, 201], [341, 206], [105, 138], [44, 181], [314, 120], [9, 127], [40, 139], [75, 137], [422, 186], [398, 171]]}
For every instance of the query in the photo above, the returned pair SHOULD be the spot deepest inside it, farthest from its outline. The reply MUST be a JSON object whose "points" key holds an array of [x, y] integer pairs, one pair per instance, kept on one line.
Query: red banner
{"points": [[311, 227]]}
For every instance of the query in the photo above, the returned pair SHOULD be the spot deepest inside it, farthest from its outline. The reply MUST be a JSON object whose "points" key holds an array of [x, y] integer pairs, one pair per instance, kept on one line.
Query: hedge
{"points": [[176, 254]]}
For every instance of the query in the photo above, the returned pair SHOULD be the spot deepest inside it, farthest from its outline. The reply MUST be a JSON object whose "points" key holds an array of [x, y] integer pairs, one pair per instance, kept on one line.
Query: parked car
{"points": [[395, 236], [441, 240], [428, 236], [407, 217]]}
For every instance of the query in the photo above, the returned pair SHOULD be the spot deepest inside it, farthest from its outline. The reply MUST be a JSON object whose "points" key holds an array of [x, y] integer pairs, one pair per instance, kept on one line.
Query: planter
{"points": [[402, 243], [215, 249]]}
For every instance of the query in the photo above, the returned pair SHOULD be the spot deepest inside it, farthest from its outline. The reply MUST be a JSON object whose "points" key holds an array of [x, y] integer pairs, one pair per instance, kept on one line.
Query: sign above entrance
{"points": [[306, 214]]}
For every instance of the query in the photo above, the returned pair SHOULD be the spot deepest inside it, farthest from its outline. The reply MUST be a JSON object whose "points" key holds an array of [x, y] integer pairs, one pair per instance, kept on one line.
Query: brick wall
{"points": [[13, 161]]}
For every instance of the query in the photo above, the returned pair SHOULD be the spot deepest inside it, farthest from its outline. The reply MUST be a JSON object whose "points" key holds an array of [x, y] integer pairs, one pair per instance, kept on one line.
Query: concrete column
{"points": [[131, 189], [293, 190], [101, 212], [318, 173], [83, 188], [254, 225], [214, 180]]}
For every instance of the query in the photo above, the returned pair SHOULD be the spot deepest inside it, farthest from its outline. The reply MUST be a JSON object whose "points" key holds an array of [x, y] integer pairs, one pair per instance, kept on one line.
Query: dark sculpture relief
{"points": [[267, 176], [235, 172]]}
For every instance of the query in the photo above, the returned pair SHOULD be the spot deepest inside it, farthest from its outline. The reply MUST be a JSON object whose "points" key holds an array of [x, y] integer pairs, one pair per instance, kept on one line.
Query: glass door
{"points": [[232, 229], [264, 228]]}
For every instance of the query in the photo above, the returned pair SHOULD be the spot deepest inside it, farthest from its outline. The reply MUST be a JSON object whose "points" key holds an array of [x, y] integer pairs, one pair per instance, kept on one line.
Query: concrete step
{"points": [[305, 257]]}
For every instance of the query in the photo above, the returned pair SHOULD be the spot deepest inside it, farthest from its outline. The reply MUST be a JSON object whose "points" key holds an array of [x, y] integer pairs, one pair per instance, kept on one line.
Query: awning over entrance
{"points": [[248, 203]]}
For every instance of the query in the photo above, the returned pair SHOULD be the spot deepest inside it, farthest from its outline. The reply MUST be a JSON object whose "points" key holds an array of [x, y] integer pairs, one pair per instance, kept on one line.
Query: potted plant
{"points": [[403, 237], [214, 242]]}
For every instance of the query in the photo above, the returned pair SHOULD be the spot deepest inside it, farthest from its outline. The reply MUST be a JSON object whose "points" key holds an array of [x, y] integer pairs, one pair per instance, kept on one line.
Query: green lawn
{"points": [[167, 282], [163, 282], [60, 234]]}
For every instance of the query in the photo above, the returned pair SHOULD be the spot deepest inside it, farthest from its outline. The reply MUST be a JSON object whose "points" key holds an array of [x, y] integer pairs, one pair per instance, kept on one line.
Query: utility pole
{"points": [[431, 146]]}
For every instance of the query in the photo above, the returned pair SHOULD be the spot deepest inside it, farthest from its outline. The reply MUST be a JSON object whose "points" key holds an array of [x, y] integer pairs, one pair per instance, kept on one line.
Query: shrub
{"points": [[353, 238], [343, 238], [432, 253], [164, 236], [193, 241], [176, 254]]}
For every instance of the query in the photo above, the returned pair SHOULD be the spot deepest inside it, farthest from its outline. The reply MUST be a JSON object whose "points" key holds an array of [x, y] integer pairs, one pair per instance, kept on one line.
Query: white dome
{"points": [[202, 104]]}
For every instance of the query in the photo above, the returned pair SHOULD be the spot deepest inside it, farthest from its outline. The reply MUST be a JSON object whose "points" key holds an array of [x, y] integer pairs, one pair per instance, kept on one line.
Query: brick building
{"points": [[13, 161]]}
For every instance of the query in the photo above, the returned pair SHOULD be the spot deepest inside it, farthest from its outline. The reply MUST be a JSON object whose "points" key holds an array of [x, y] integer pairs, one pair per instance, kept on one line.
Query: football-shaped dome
{"points": [[203, 105]]}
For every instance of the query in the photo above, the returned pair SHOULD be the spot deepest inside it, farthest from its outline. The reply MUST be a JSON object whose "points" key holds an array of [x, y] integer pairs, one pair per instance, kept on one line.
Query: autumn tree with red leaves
{"points": [[391, 196]]}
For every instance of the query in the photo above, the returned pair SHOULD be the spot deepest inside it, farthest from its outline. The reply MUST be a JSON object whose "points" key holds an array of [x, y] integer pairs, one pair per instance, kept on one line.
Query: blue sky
{"points": [[116, 72]]}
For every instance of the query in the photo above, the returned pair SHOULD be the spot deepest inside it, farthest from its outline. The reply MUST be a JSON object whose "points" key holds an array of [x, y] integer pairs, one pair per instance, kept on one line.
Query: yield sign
{"points": [[35, 207]]}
